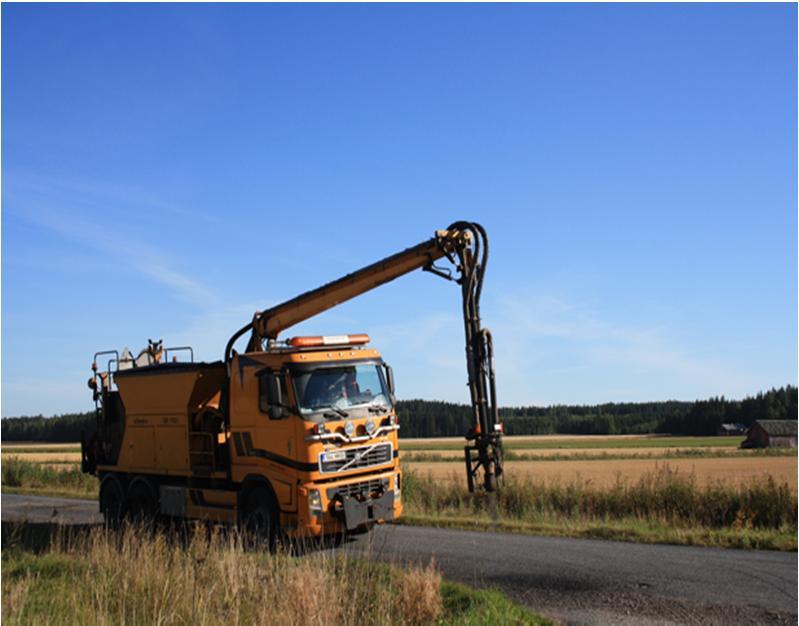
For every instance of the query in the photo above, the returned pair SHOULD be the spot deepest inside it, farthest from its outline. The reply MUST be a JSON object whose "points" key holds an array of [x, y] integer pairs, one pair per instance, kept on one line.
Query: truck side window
{"points": [[265, 402]]}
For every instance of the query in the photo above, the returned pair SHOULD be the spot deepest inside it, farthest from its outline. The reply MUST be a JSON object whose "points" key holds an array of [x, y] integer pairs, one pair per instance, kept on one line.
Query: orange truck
{"points": [[295, 437]]}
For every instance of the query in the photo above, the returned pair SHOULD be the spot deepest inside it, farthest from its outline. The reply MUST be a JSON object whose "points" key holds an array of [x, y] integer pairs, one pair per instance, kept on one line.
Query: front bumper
{"points": [[350, 504], [357, 513]]}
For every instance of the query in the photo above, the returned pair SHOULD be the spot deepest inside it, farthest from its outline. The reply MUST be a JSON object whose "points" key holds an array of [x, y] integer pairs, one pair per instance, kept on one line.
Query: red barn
{"points": [[771, 434]]}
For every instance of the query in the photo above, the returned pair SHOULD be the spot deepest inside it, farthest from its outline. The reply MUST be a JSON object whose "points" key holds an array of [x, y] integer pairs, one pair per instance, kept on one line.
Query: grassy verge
{"points": [[661, 507], [463, 606], [136, 577], [631, 529], [19, 476]]}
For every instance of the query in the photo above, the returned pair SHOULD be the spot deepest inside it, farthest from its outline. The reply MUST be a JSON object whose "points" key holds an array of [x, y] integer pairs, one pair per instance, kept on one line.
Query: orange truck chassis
{"points": [[297, 437]]}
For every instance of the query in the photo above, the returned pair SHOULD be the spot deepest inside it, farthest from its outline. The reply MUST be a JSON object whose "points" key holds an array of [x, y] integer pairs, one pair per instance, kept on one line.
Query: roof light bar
{"points": [[328, 340]]}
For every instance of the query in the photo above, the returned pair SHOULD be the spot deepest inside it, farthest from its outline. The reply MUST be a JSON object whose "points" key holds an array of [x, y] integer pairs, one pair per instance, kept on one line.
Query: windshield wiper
{"points": [[378, 408], [337, 410]]}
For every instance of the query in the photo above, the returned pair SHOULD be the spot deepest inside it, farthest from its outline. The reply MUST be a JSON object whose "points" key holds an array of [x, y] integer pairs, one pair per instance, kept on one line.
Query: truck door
{"points": [[262, 433]]}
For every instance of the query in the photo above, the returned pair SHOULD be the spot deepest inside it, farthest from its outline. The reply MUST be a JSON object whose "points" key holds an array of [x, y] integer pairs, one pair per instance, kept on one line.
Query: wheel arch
{"points": [[148, 482], [250, 483]]}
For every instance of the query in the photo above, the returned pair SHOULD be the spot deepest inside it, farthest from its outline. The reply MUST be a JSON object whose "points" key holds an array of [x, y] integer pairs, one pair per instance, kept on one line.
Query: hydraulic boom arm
{"points": [[465, 246]]}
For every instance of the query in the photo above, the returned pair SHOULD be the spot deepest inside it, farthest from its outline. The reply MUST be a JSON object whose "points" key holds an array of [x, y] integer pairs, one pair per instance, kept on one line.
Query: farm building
{"points": [[731, 429], [771, 434]]}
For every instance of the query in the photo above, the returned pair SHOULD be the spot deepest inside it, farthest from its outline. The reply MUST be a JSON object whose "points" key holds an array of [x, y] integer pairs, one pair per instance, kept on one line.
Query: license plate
{"points": [[338, 455]]}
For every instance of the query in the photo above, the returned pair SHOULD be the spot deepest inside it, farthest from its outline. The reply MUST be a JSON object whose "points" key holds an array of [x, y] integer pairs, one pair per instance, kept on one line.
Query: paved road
{"points": [[572, 580]]}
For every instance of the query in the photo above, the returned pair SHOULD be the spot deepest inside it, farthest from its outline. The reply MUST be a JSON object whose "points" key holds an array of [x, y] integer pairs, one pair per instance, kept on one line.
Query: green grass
{"points": [[598, 442], [632, 530], [464, 606]]}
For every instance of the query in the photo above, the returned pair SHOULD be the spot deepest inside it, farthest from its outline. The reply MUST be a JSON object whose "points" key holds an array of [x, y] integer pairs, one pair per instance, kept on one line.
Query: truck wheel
{"points": [[112, 503], [142, 506], [261, 519]]}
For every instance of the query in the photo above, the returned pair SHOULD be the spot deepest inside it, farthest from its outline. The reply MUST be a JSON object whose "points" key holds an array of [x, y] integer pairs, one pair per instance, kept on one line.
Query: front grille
{"points": [[377, 455], [360, 490]]}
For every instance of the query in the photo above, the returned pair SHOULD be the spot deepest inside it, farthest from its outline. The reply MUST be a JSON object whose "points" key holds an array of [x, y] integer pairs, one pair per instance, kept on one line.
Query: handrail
{"points": [[176, 349]]}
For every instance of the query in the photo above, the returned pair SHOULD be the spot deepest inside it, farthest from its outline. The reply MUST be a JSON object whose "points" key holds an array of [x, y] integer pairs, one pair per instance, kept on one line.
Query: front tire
{"points": [[261, 519]]}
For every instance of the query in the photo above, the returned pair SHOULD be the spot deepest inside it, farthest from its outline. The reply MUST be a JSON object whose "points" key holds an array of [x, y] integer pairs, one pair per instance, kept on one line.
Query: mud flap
{"points": [[357, 513]]}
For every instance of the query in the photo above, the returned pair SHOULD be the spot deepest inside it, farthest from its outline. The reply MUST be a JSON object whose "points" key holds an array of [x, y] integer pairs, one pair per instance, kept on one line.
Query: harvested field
{"points": [[577, 452], [580, 442], [733, 471], [44, 457], [34, 445]]}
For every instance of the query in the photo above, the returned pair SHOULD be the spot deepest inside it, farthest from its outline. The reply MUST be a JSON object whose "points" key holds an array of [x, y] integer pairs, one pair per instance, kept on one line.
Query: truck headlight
{"points": [[397, 485], [315, 503]]}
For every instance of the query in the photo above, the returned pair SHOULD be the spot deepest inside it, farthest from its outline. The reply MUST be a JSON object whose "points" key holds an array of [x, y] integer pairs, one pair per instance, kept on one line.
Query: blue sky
{"points": [[169, 169]]}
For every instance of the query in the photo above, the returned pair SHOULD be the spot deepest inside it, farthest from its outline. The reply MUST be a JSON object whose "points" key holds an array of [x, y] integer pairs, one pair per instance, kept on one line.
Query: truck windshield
{"points": [[340, 388]]}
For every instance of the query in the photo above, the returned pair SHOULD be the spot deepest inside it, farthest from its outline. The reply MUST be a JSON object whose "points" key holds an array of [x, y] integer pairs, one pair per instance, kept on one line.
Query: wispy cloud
{"points": [[111, 197], [115, 243], [208, 331], [539, 337]]}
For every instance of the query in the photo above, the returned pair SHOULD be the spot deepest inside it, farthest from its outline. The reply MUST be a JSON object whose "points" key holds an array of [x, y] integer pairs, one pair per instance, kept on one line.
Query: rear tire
{"points": [[142, 505], [261, 519], [112, 502]]}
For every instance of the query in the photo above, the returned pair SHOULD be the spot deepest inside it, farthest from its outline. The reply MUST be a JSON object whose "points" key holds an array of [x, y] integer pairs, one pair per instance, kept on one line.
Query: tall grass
{"points": [[18, 473], [664, 494], [138, 578], [662, 506]]}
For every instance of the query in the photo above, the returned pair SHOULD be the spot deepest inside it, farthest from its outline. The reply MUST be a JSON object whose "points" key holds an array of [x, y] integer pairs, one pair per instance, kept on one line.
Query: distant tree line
{"points": [[58, 429], [705, 416], [423, 418], [426, 418]]}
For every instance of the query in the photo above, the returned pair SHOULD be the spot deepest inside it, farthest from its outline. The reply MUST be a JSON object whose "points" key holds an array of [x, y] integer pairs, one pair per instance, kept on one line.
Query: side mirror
{"points": [[273, 389], [276, 412], [390, 380], [271, 392]]}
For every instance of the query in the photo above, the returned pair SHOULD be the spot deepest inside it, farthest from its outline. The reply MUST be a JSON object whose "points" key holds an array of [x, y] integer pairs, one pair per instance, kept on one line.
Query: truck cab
{"points": [[317, 419]]}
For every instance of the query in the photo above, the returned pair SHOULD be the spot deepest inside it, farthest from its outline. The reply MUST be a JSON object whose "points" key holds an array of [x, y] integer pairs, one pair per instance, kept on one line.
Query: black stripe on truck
{"points": [[244, 447]]}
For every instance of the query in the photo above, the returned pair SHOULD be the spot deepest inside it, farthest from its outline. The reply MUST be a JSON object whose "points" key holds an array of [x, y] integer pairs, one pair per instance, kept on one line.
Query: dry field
{"points": [[36, 444], [738, 468], [545, 452], [735, 471], [587, 442], [57, 456], [44, 457], [434, 441], [713, 460]]}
